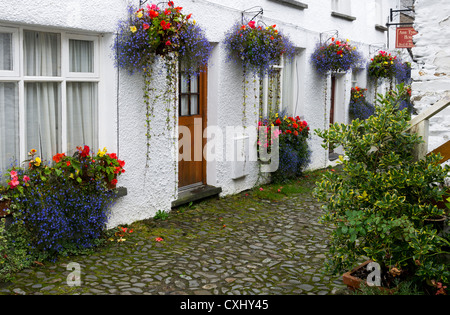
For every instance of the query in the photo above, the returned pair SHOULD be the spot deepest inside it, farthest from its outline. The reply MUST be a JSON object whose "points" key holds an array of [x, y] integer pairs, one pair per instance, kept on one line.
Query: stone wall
{"points": [[431, 69]]}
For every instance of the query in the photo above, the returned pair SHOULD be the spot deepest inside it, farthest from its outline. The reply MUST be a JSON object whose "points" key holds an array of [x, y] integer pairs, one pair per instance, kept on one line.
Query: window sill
{"points": [[381, 28], [293, 3], [343, 16]]}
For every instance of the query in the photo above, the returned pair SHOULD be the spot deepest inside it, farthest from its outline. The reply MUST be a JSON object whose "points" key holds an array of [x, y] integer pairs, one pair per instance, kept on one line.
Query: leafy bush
{"points": [[380, 201]]}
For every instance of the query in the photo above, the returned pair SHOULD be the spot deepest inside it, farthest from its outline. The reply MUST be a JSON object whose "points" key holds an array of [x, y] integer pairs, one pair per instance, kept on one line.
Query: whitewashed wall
{"points": [[431, 71], [123, 111]]}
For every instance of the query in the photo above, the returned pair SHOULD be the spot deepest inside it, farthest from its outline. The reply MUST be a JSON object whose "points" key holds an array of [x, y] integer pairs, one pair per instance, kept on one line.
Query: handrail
{"points": [[420, 125], [444, 150], [430, 112]]}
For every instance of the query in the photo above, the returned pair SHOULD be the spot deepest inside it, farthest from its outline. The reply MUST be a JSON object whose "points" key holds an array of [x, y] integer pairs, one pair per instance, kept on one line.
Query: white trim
{"points": [[15, 52]]}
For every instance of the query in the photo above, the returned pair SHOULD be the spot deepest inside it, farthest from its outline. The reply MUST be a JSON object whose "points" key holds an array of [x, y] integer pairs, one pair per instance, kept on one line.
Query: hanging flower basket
{"points": [[383, 65], [338, 56], [257, 48], [167, 33], [155, 31]]}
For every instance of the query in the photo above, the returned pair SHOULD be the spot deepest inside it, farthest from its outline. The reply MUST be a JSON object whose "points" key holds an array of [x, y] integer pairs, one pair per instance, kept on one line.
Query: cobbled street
{"points": [[237, 245]]}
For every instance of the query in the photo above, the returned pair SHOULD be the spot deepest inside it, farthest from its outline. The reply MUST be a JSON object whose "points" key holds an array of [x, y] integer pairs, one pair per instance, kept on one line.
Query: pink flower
{"points": [[13, 184], [261, 189], [26, 179], [159, 239], [13, 173]]}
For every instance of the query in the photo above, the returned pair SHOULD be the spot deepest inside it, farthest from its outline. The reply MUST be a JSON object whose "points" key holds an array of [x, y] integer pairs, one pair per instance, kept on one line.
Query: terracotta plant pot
{"points": [[354, 283]]}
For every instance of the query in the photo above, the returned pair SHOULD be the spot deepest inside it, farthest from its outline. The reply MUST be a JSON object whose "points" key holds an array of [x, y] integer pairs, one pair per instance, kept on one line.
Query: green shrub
{"points": [[379, 202]]}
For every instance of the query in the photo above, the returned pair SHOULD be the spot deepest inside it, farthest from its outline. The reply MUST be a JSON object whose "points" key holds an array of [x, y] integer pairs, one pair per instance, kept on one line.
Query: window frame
{"points": [[15, 52], [18, 76]]}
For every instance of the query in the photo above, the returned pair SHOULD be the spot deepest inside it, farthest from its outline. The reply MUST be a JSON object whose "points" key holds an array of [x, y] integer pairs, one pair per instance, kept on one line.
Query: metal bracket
{"points": [[259, 12], [326, 36]]}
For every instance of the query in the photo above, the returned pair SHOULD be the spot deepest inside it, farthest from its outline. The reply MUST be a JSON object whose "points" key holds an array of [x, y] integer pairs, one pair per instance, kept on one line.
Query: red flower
{"points": [[114, 182], [68, 163], [278, 122], [296, 133], [58, 157], [168, 43], [85, 151], [121, 163], [189, 16], [288, 131], [252, 24], [146, 26], [170, 3], [113, 156], [153, 14], [165, 25]]}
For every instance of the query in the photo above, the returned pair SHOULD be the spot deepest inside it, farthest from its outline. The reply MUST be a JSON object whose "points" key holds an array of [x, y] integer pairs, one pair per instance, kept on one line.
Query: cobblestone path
{"points": [[231, 246]]}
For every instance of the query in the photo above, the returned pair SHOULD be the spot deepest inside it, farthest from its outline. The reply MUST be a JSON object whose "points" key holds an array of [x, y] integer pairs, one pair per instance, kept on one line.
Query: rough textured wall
{"points": [[431, 72]]}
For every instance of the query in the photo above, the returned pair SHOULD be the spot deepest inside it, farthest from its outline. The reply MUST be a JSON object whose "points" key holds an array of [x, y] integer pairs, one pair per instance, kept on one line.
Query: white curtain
{"points": [[82, 101], [43, 118], [9, 125], [42, 57], [82, 115], [81, 56], [288, 87], [42, 54], [6, 58]]}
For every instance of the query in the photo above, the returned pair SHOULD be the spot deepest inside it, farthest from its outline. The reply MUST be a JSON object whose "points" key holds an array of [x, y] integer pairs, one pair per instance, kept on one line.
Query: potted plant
{"points": [[292, 135], [379, 202], [257, 48], [360, 108], [382, 65], [337, 56], [84, 166]]}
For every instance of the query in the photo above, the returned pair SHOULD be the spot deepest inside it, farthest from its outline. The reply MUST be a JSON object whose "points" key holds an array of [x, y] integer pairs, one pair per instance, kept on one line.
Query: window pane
{"points": [[9, 125], [6, 52], [194, 84], [184, 84], [42, 53], [43, 118], [194, 105], [81, 56], [184, 106], [82, 115]]}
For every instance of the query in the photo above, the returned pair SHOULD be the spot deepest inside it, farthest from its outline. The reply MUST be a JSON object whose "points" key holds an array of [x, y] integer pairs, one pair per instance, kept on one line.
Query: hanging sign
{"points": [[405, 37]]}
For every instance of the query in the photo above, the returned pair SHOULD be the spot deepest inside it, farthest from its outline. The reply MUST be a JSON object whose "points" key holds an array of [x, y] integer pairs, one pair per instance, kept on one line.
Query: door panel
{"points": [[192, 115]]}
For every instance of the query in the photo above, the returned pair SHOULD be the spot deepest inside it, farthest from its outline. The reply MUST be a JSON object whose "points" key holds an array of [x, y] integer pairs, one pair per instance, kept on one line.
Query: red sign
{"points": [[405, 37]]}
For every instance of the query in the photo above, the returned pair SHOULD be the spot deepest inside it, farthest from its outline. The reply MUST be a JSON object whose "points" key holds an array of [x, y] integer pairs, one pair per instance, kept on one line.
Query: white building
{"points": [[113, 112]]}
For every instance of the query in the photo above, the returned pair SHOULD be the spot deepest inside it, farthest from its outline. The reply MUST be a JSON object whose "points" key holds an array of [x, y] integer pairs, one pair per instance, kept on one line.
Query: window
{"points": [[48, 93], [342, 9], [276, 90]]}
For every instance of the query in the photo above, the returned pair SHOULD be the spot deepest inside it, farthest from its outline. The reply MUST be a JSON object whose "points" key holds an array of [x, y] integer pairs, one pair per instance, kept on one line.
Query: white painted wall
{"points": [[431, 71], [153, 189]]}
